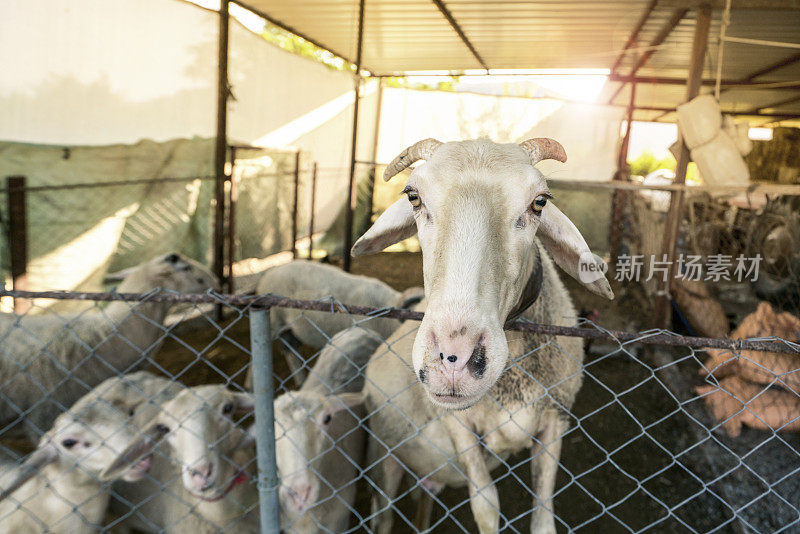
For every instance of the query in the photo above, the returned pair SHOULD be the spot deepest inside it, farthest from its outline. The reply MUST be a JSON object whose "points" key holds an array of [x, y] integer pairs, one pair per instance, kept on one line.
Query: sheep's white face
{"points": [[202, 428], [95, 447], [302, 421], [476, 207]]}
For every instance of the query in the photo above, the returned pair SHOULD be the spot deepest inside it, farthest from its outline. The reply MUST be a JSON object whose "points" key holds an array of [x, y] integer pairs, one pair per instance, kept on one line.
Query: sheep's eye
{"points": [[228, 408], [413, 197], [163, 429], [539, 203], [326, 419], [69, 443]]}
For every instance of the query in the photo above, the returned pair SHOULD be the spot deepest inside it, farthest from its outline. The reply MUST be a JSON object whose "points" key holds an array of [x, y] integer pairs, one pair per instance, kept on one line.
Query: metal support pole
{"points": [[18, 238], [618, 198], [233, 198], [693, 83], [352, 195], [373, 175], [221, 145], [295, 202], [263, 394], [311, 212]]}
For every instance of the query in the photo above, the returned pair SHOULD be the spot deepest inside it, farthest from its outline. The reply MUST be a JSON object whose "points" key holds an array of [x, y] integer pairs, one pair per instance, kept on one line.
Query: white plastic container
{"points": [[720, 162], [739, 132], [699, 120]]}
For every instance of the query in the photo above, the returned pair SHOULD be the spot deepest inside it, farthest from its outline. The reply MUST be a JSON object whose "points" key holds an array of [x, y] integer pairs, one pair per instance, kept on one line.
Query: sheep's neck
{"points": [[137, 318], [137, 313], [74, 489]]}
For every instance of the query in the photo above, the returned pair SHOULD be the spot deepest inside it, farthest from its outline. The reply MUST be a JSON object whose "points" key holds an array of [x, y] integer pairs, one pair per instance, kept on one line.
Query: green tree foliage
{"points": [[297, 45], [647, 162]]}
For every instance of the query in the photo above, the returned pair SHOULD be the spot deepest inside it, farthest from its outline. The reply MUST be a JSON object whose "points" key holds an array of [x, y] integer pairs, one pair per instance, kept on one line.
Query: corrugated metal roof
{"points": [[415, 35]]}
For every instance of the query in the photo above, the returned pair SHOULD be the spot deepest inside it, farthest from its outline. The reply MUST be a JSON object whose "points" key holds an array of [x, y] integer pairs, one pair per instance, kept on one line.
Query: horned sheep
{"points": [[485, 222]]}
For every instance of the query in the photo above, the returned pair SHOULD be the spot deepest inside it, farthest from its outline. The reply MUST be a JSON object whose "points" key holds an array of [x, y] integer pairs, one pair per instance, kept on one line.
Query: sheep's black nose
{"points": [[452, 358]]}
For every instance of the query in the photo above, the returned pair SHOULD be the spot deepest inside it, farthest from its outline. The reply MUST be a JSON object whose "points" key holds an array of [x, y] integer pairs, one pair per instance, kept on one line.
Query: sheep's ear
{"points": [[570, 251], [394, 225], [411, 297], [137, 450], [11, 481], [343, 401], [119, 276]]}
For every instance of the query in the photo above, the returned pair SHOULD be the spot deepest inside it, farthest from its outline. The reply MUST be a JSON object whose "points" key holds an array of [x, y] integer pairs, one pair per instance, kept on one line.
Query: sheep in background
{"points": [[306, 280], [319, 443], [48, 362], [203, 481], [340, 365], [438, 399], [62, 486]]}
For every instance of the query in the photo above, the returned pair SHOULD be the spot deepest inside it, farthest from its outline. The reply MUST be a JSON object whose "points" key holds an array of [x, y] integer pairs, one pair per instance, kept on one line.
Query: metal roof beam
{"points": [[791, 60], [668, 110], [449, 16], [778, 104], [663, 33], [634, 34], [778, 5], [663, 80]]}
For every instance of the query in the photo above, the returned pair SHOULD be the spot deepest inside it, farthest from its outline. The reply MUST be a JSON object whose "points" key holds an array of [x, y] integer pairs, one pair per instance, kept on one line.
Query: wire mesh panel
{"points": [[138, 412]]}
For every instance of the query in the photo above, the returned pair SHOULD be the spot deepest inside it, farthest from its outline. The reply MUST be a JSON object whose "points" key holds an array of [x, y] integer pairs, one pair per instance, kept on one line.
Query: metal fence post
{"points": [[233, 198], [18, 238], [295, 203], [261, 348], [311, 212]]}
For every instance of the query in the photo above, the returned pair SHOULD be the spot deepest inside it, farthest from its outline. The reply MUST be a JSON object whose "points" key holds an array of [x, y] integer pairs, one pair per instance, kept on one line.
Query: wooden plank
{"points": [[693, 84]]}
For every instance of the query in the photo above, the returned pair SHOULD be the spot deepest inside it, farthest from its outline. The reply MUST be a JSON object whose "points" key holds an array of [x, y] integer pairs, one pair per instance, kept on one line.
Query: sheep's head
{"points": [[302, 422], [95, 436], [477, 207], [92, 439], [203, 426], [171, 271]]}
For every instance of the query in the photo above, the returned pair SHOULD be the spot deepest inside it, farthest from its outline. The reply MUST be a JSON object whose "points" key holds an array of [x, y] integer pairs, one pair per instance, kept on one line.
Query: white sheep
{"points": [[484, 219], [319, 437], [62, 487], [203, 480], [48, 361], [301, 279]]}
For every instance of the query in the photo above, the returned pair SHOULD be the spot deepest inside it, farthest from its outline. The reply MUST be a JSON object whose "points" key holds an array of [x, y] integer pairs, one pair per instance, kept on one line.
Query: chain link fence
{"points": [[137, 413]]}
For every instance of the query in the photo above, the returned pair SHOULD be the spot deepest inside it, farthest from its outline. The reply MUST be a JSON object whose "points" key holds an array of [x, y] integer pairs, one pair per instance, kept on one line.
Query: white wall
{"points": [[589, 133], [98, 72]]}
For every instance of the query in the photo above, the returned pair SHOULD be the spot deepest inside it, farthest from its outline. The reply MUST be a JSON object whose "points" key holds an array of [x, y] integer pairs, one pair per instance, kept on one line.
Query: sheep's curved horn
{"points": [[542, 148], [420, 150]]}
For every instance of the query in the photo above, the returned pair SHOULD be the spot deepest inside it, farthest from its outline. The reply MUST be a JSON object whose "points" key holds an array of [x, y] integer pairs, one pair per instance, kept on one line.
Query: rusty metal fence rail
{"points": [[138, 411]]}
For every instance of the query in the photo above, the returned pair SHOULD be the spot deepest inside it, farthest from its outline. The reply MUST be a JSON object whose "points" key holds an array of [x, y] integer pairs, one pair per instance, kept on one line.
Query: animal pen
{"points": [[682, 423]]}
